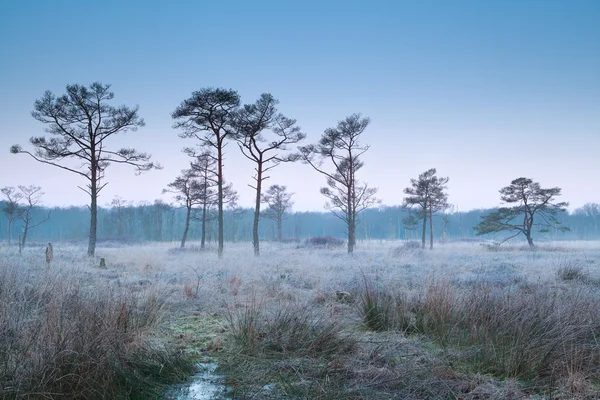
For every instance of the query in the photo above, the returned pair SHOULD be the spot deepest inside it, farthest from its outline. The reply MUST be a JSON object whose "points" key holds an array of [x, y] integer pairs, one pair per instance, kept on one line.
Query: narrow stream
{"points": [[204, 385]]}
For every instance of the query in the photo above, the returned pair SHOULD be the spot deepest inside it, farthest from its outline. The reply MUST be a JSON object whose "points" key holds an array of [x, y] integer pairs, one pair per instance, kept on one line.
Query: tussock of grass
{"points": [[64, 338], [382, 311], [274, 344], [525, 332]]}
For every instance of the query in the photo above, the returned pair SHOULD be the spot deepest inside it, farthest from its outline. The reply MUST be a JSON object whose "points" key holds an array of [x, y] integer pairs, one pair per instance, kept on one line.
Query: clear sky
{"points": [[484, 91]]}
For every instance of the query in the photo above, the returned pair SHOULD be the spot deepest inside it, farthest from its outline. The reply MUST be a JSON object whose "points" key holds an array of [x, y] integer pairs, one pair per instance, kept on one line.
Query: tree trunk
{"points": [[430, 228], [8, 230], [257, 210], [279, 236], [119, 224], [187, 226], [351, 216], [351, 235], [25, 230], [529, 239], [220, 195], [159, 226], [424, 228], [93, 208], [203, 238], [529, 227]]}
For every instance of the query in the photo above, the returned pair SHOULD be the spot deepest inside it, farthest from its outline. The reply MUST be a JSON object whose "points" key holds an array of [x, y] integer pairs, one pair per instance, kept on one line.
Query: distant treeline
{"points": [[159, 222]]}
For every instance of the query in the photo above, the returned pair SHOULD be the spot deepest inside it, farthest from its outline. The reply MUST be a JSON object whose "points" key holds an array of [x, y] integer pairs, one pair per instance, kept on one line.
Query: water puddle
{"points": [[204, 385]]}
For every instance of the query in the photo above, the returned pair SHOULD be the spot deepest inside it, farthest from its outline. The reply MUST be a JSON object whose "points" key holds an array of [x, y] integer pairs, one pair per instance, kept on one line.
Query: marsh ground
{"points": [[390, 321]]}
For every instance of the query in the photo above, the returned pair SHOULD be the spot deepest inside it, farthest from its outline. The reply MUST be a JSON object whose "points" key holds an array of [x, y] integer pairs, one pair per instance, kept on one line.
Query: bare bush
{"points": [[324, 242], [409, 247]]}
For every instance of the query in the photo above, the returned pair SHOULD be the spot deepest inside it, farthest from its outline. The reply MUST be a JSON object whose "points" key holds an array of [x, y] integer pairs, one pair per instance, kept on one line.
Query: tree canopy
{"points": [[530, 208], [341, 148], [81, 122]]}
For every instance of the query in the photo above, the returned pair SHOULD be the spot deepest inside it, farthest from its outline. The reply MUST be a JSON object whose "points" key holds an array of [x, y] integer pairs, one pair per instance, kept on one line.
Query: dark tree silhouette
{"points": [[252, 122], [32, 196], [426, 195], [188, 193], [207, 116], [117, 206], [82, 121], [280, 202], [204, 166], [11, 208], [530, 207], [341, 147]]}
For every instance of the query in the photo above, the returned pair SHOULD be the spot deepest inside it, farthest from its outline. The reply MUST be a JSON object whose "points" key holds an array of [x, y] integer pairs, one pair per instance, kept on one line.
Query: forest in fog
{"points": [[163, 222]]}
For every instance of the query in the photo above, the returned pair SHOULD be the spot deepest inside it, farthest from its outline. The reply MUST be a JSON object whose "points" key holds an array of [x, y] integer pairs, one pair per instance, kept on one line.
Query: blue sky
{"points": [[484, 91]]}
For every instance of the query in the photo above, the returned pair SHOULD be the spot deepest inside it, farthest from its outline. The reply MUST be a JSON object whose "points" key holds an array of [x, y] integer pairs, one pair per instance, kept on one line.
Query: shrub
{"points": [[324, 241], [409, 247], [572, 273]]}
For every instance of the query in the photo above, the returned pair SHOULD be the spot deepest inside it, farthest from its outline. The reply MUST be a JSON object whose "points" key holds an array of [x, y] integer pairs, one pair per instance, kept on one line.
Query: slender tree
{"points": [[118, 205], [529, 207], [188, 193], [280, 202], [11, 208], [81, 122], [207, 116], [32, 196], [204, 166], [160, 208], [427, 194], [591, 213], [340, 146], [253, 122]]}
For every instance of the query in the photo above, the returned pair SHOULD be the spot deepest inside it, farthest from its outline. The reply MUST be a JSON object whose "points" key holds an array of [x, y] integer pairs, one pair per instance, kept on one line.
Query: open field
{"points": [[390, 321]]}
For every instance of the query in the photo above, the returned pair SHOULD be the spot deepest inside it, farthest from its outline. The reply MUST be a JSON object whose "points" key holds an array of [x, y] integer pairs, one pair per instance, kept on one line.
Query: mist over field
{"points": [[302, 321], [272, 200]]}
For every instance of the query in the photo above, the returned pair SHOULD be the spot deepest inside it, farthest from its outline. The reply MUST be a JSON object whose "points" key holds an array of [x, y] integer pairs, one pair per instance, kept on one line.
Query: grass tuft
{"points": [[61, 337]]}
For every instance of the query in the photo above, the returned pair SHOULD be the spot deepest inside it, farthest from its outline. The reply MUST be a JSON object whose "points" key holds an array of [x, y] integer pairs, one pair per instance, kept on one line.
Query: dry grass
{"points": [[64, 337], [455, 322]]}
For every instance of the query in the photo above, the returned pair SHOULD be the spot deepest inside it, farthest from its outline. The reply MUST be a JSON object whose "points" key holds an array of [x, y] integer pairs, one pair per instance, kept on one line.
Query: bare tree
{"points": [[81, 122], [187, 190], [280, 202], [11, 208], [160, 208], [588, 210], [204, 166], [207, 116], [446, 219], [427, 194], [341, 147], [527, 201], [252, 122], [117, 205], [591, 212], [32, 196]]}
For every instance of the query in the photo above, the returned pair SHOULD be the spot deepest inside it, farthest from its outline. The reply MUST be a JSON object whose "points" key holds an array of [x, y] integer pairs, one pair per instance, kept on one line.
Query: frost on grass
{"points": [[413, 323]]}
